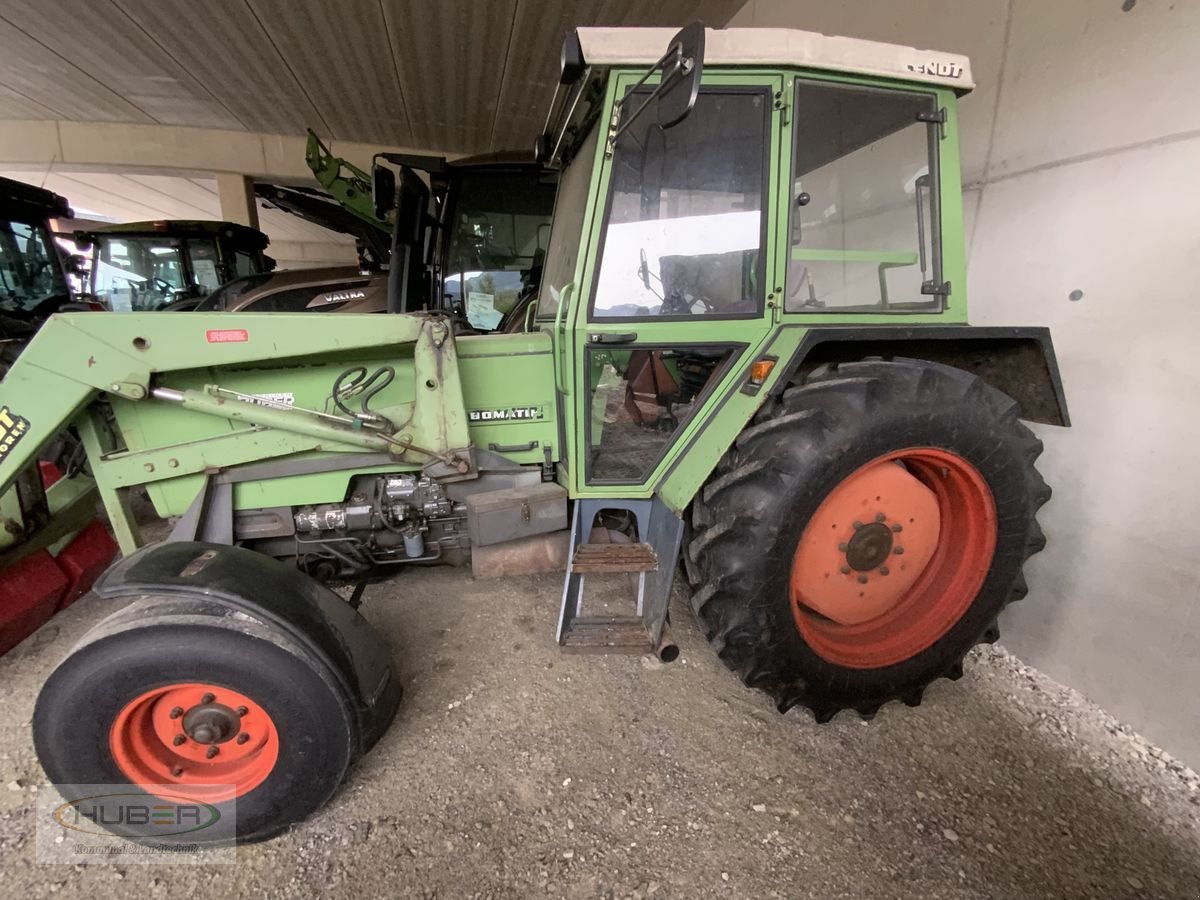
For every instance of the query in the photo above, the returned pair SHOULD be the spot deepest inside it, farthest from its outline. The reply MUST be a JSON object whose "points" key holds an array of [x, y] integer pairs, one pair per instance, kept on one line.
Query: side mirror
{"points": [[678, 87], [383, 191], [680, 83]]}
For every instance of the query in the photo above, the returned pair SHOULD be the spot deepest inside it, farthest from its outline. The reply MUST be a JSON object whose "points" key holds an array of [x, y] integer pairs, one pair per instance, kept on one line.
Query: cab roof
{"points": [[183, 228], [20, 202], [782, 47]]}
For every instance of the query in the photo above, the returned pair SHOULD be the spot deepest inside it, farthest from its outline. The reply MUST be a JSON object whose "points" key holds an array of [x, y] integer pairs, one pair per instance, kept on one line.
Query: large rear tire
{"points": [[864, 533]]}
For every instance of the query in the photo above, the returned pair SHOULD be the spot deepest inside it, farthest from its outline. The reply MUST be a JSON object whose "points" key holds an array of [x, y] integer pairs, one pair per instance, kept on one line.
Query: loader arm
{"points": [[76, 357], [349, 185]]}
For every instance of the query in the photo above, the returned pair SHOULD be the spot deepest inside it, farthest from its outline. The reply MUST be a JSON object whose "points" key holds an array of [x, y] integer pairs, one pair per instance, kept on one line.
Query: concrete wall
{"points": [[1081, 155]]}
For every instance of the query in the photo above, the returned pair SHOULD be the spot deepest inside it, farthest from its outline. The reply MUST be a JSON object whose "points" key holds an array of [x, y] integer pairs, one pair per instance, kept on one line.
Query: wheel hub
{"points": [[206, 741], [211, 723], [870, 547], [866, 545]]}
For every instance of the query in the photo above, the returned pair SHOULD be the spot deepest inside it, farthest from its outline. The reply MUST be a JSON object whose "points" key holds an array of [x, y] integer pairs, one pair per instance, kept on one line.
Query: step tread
{"points": [[607, 634], [614, 558]]}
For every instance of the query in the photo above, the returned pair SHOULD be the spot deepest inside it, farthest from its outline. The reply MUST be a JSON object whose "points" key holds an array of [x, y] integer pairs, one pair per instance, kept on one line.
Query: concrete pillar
{"points": [[236, 193]]}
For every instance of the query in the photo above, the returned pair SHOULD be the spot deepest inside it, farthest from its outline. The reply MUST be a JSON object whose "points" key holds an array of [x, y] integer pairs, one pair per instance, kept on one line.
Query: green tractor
{"points": [[750, 355]]}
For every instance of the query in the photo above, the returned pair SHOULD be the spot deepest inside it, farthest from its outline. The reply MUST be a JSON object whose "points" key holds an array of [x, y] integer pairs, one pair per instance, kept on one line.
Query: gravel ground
{"points": [[515, 771]]}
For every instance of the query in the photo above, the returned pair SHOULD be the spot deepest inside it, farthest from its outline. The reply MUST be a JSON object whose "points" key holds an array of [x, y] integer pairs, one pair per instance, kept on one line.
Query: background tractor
{"points": [[147, 266], [472, 237], [750, 354], [33, 274]]}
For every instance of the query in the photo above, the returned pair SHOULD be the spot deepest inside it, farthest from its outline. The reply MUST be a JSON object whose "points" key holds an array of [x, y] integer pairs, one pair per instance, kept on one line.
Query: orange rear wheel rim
{"points": [[206, 742], [893, 558]]}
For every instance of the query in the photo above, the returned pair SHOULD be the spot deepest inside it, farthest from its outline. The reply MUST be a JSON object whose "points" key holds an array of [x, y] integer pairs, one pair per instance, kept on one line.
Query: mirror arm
{"points": [[562, 132], [678, 63]]}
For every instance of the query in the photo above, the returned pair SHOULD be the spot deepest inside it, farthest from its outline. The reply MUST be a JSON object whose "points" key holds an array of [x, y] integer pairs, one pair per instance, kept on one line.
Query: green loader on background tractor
{"points": [[750, 354]]}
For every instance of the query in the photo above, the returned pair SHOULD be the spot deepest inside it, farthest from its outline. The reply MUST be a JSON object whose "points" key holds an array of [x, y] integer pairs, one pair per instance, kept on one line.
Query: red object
{"points": [[893, 558], [36, 587], [226, 335], [154, 741], [30, 591], [83, 560], [50, 472]]}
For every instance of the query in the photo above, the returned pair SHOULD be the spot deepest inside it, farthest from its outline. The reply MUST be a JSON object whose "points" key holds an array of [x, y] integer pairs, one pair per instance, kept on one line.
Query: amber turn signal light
{"points": [[760, 369]]}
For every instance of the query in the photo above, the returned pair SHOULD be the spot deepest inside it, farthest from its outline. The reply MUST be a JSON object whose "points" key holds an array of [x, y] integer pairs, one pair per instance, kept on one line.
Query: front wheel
{"points": [[202, 709], [864, 533]]}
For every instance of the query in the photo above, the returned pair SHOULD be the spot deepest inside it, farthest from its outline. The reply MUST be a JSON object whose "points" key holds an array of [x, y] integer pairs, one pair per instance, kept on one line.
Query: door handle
{"points": [[603, 337], [513, 448]]}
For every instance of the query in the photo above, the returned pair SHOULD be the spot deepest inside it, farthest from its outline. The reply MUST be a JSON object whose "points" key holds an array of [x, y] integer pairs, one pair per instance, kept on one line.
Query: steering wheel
{"points": [[677, 304]]}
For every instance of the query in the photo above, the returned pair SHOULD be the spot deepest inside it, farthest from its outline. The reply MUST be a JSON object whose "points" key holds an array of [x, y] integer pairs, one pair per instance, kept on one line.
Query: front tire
{"points": [[864, 533], [173, 702]]}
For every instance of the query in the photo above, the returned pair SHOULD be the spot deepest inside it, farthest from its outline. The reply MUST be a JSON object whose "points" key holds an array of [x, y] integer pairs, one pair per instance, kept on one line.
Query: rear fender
{"points": [[1018, 361]]}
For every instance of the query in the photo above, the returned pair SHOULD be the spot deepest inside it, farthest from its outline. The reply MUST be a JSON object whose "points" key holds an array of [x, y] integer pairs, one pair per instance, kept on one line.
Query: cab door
{"points": [[679, 292]]}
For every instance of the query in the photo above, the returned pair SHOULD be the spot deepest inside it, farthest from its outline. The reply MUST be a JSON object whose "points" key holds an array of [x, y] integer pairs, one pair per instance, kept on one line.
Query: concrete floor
{"points": [[514, 771]]}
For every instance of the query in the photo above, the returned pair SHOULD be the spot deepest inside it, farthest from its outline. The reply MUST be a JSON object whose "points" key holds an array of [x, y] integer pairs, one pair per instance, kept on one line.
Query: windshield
{"points": [[30, 269], [568, 223], [498, 239], [147, 273]]}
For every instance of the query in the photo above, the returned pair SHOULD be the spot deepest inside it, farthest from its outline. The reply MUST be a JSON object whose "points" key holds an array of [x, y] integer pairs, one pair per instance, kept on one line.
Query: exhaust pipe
{"points": [[667, 650]]}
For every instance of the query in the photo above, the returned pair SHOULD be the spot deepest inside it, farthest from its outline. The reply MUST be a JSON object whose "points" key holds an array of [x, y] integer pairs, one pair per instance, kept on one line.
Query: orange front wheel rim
{"points": [[206, 742], [893, 558]]}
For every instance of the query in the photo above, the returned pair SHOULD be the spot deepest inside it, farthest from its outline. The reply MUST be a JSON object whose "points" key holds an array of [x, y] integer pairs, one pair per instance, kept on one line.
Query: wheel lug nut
{"points": [[212, 751], [845, 570], [176, 772], [897, 528], [880, 517], [207, 698], [243, 737], [884, 570], [899, 551], [862, 579], [241, 710], [858, 526], [177, 712], [843, 547], [179, 739]]}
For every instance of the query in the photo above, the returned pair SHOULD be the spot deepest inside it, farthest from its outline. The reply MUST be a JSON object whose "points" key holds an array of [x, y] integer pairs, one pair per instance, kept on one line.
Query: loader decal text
{"points": [[226, 335], [506, 414], [12, 429]]}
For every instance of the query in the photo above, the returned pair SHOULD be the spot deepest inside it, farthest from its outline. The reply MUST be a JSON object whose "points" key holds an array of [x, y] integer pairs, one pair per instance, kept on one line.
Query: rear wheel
{"points": [[198, 708], [864, 533]]}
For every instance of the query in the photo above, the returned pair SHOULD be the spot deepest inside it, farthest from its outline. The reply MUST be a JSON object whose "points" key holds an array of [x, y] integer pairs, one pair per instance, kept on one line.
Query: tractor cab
{"points": [[470, 235], [719, 201], [146, 266], [33, 278]]}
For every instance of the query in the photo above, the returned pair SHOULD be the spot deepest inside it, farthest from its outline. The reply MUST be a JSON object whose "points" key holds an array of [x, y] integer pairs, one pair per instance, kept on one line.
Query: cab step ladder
{"points": [[652, 560]]}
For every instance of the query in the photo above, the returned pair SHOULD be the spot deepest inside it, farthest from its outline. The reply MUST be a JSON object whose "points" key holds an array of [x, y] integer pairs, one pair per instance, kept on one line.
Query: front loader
{"points": [[750, 355], [51, 545]]}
